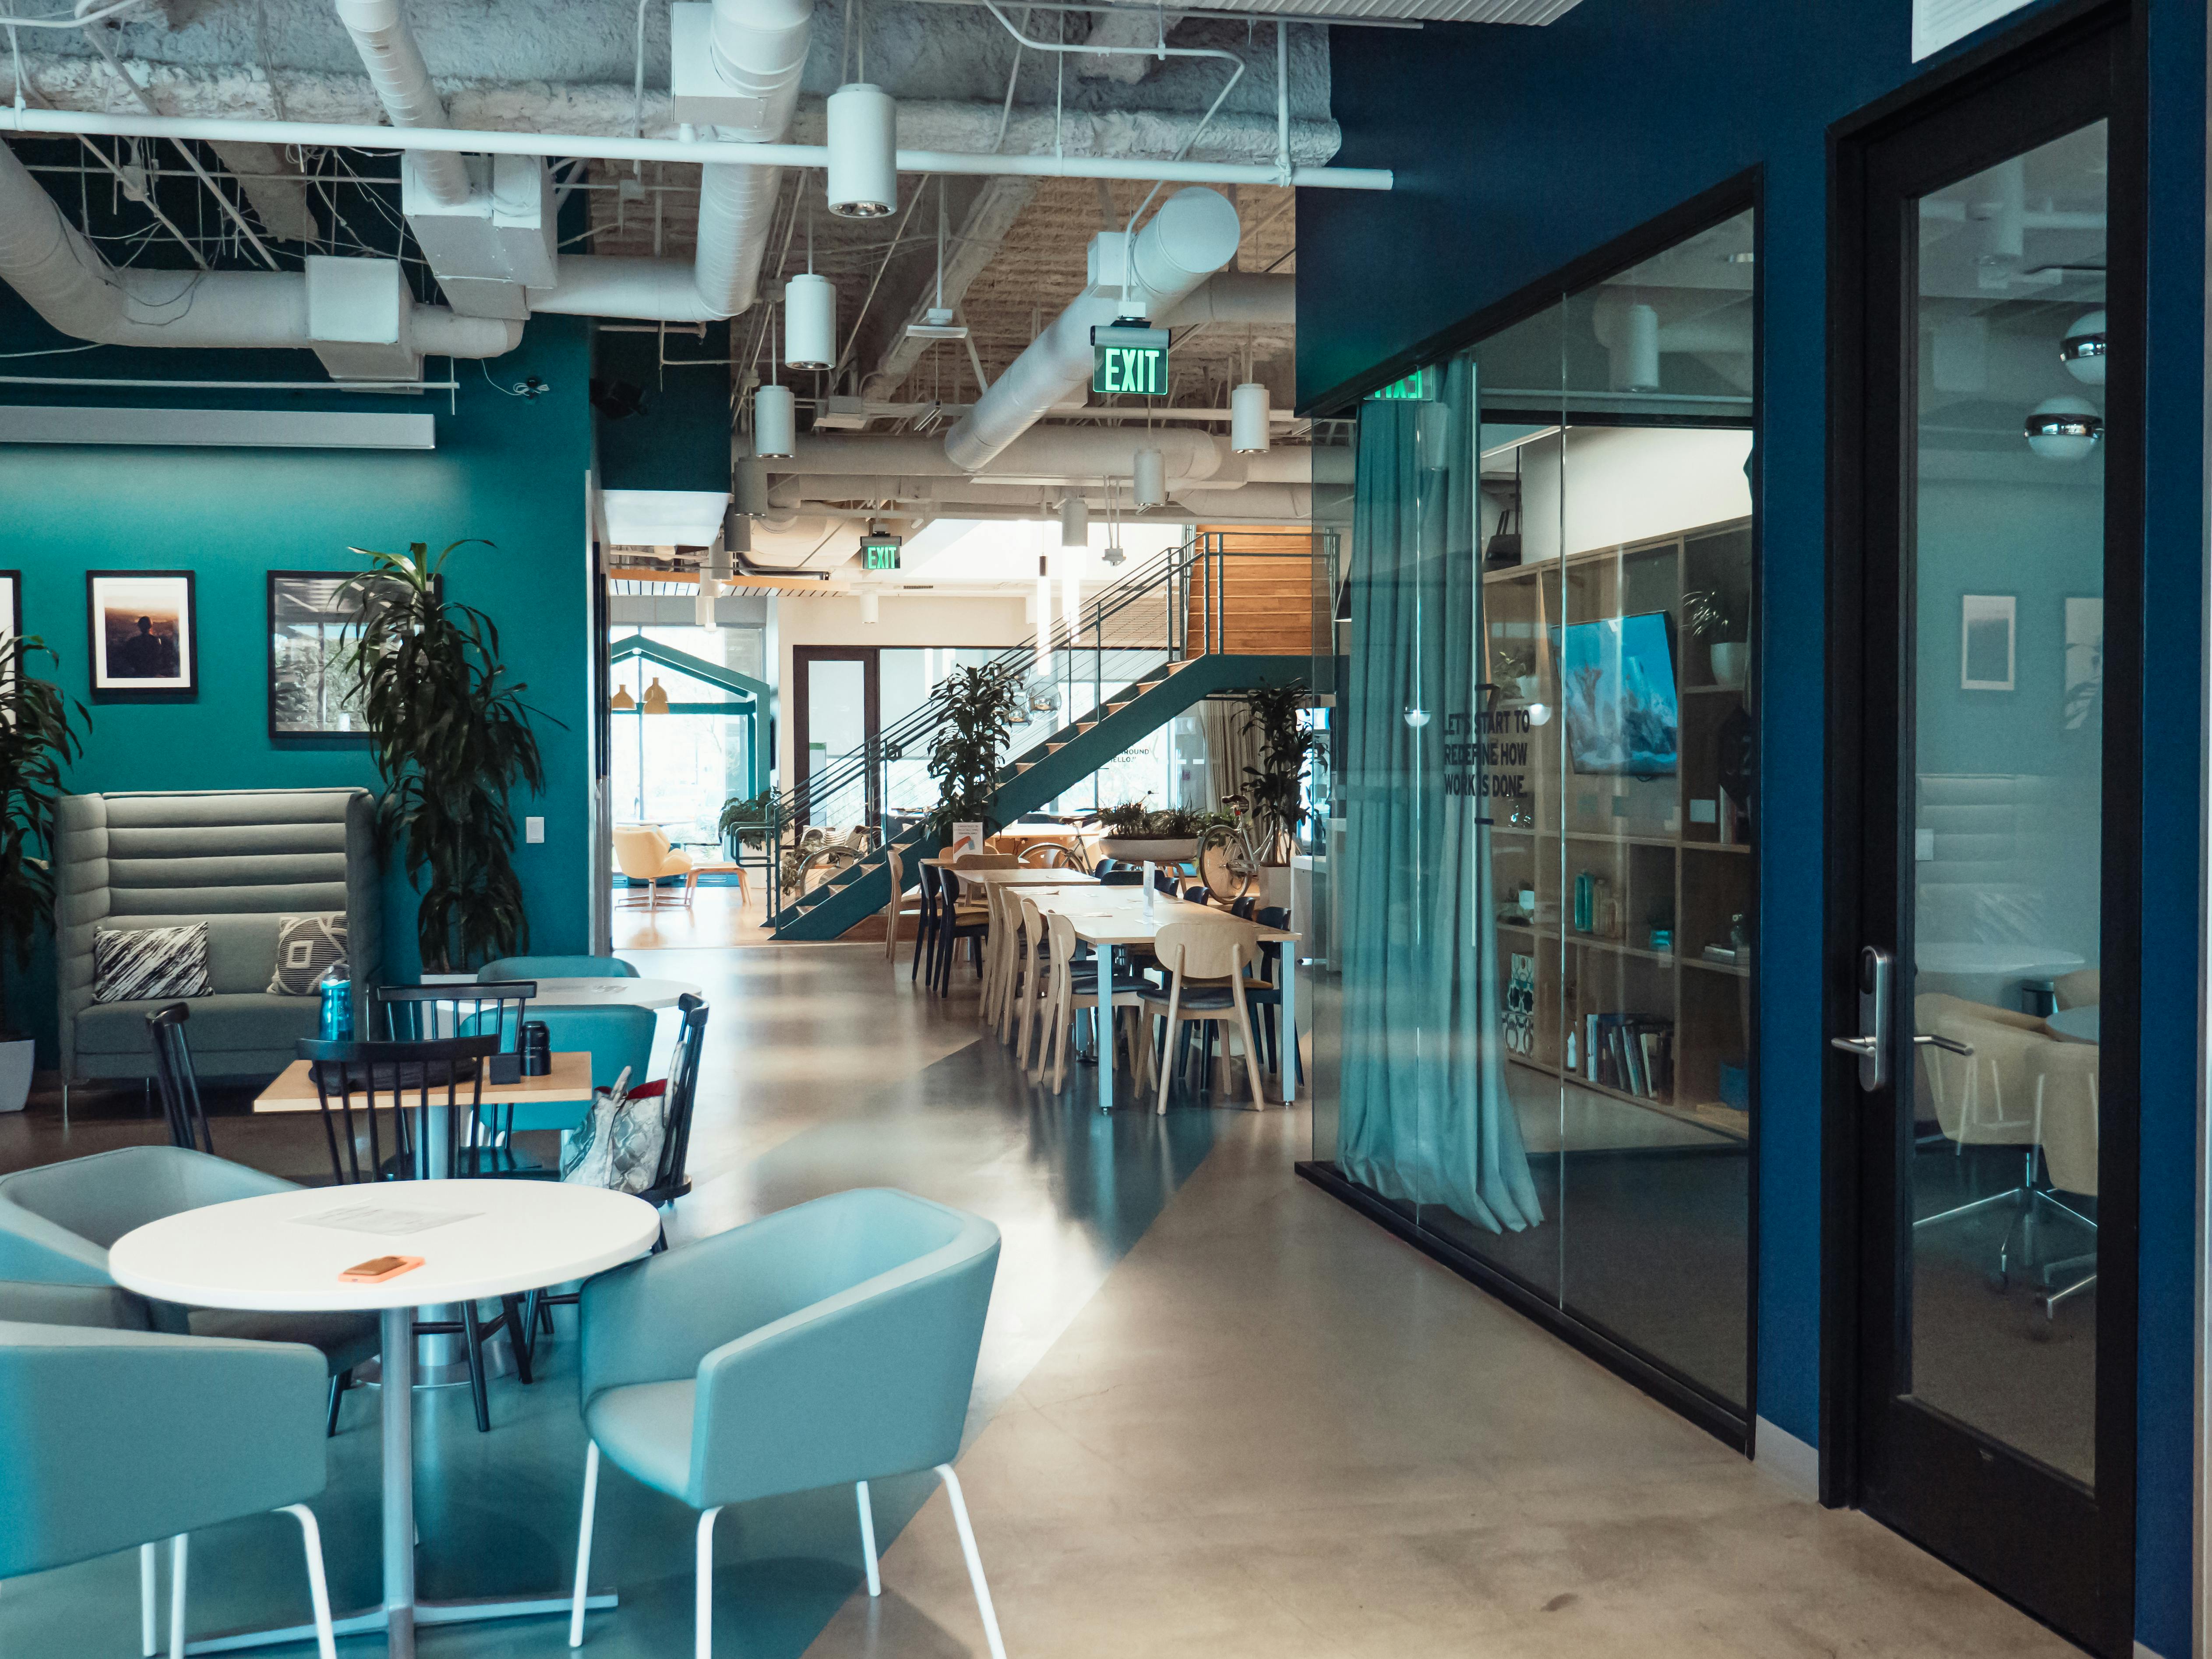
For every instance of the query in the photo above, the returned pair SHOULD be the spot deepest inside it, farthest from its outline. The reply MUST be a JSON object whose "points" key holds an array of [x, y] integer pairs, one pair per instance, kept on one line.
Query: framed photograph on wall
{"points": [[145, 635], [1987, 642], [11, 616], [2085, 664], [313, 622]]}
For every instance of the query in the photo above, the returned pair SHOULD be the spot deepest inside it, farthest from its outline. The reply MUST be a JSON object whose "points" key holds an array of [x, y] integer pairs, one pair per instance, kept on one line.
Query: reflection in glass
{"points": [[2007, 504]]}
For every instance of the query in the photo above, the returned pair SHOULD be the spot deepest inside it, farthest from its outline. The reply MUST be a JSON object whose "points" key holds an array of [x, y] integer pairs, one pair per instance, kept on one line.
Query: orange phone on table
{"points": [[377, 1269]]}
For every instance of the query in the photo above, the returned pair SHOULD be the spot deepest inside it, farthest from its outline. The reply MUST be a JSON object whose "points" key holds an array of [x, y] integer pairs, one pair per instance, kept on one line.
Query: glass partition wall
{"points": [[1534, 996]]}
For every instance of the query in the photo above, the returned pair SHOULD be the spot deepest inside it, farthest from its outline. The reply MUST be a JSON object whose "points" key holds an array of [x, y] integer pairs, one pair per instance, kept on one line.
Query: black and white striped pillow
{"points": [[141, 965]]}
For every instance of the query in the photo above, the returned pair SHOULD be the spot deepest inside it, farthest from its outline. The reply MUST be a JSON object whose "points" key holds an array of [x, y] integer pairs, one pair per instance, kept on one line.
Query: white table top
{"points": [[268, 1253], [1116, 916], [611, 992], [2079, 1023], [2008, 960]]}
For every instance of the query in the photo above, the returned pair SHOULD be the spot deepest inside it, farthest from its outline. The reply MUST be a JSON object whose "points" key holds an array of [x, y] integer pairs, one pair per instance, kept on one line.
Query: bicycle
{"points": [[1231, 855]]}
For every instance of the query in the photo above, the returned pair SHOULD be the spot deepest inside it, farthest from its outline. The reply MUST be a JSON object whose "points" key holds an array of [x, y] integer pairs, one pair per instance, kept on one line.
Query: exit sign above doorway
{"points": [[1129, 358]]}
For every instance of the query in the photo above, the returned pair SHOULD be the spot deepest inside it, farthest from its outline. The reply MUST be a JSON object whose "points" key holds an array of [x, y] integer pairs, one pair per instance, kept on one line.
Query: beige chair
{"points": [[1030, 993], [2078, 989], [2066, 1131], [1984, 1097], [902, 905], [643, 853], [1205, 962], [1070, 989]]}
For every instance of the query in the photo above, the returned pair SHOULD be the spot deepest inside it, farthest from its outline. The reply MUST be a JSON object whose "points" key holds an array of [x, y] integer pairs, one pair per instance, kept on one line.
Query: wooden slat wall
{"points": [[1266, 603]]}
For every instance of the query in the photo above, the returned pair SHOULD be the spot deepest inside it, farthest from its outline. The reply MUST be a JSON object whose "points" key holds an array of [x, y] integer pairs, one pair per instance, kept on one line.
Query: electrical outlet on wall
{"points": [[533, 829]]}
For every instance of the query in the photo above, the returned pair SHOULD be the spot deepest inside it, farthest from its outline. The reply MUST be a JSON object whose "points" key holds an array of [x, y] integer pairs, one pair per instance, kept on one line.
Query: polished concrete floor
{"points": [[1217, 1413]]}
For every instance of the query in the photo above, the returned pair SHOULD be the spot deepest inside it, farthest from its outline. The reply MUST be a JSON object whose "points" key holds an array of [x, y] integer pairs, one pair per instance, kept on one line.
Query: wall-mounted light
{"points": [[2065, 428], [1248, 418], [810, 322], [863, 152], [2082, 351], [775, 422]]}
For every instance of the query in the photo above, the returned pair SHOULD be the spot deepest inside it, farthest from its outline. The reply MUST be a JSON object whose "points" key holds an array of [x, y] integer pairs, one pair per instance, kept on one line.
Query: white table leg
{"points": [[1104, 955], [399, 1392], [1288, 1050]]}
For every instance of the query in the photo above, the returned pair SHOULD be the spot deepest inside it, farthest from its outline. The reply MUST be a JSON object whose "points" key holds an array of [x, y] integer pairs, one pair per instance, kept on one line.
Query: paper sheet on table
{"points": [[388, 1223]]}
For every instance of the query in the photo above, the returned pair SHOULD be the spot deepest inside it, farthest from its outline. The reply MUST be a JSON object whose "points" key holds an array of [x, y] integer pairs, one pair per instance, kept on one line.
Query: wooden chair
{"points": [[423, 1013], [1030, 991], [900, 907], [1074, 984], [179, 1087], [1204, 962]]}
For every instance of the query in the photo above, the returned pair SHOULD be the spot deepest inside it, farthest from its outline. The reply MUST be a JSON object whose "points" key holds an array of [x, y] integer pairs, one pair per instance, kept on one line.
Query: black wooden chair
{"points": [[431, 1094], [1264, 993], [419, 1013], [175, 1078]]}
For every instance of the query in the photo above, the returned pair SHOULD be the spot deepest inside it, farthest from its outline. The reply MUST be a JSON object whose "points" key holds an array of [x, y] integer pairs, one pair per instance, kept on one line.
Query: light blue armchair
{"points": [[834, 1342], [114, 1437], [57, 1220]]}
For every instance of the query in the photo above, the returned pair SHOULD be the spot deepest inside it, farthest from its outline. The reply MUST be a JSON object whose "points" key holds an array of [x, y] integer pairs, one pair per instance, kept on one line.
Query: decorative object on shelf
{"points": [[1987, 641], [39, 736], [980, 709], [1719, 618], [2085, 664], [314, 619], [144, 636], [1521, 1005], [452, 739]]}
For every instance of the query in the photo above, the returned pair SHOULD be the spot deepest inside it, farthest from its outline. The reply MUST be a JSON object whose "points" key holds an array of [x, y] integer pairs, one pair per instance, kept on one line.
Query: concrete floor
{"points": [[1217, 1412]]}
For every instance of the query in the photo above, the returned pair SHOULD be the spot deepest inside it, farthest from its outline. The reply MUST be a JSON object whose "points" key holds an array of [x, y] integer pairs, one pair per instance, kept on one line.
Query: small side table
{"points": [[719, 868]]}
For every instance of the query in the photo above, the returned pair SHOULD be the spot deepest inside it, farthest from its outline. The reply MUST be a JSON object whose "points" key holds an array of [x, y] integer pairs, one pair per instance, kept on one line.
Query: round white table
{"points": [[284, 1252], [612, 993], [2010, 961], [2079, 1023]]}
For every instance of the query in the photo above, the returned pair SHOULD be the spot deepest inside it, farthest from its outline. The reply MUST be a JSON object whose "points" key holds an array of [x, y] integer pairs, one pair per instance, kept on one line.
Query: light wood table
{"points": [[717, 868], [1113, 918], [570, 1080]]}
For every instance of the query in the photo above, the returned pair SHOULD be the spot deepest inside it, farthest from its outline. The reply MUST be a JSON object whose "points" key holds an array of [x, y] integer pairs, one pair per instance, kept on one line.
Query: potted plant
{"points": [[981, 706], [1136, 834], [1719, 618], [746, 820], [451, 737], [38, 737], [1274, 790]]}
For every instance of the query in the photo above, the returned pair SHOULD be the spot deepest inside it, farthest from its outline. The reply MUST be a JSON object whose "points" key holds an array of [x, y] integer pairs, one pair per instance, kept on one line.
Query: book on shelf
{"points": [[1633, 1054]]}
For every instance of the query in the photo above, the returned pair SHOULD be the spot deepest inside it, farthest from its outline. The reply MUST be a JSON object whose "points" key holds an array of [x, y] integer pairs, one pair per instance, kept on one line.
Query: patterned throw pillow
{"points": [[146, 964], [307, 948]]}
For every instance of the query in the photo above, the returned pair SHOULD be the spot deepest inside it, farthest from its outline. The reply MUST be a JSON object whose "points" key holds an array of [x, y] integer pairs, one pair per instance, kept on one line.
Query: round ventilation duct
{"points": [[863, 152], [775, 421], [1248, 419], [810, 322], [1149, 482]]}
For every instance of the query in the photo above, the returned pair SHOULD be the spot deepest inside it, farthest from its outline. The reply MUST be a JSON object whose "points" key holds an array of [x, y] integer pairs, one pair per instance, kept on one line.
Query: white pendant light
{"points": [[1074, 522], [1043, 612], [810, 322], [2082, 351], [868, 603], [775, 422], [702, 606], [1248, 418], [1149, 484], [2065, 428], [863, 152]]}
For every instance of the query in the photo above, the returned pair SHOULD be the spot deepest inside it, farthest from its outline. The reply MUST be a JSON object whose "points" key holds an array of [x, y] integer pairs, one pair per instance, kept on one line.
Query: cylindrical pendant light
{"points": [[748, 501], [1074, 522], [1043, 613], [868, 601], [863, 152], [1150, 482], [703, 607], [1248, 418], [775, 421], [810, 322]]}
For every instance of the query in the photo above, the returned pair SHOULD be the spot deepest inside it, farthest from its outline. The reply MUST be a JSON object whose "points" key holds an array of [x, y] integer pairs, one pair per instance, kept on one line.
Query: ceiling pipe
{"points": [[403, 86], [69, 284], [1239, 296], [977, 164], [758, 51], [1194, 235]]}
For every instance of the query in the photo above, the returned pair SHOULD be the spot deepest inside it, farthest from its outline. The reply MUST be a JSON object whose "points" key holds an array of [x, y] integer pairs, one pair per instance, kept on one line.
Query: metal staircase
{"points": [[1161, 631]]}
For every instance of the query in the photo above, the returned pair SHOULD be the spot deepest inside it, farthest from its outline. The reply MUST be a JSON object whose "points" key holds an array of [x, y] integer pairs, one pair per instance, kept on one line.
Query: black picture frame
{"points": [[310, 591], [11, 615], [127, 591]]}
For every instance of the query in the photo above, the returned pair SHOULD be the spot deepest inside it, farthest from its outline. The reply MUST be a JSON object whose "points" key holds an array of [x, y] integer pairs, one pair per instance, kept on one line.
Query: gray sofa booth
{"points": [[237, 860]]}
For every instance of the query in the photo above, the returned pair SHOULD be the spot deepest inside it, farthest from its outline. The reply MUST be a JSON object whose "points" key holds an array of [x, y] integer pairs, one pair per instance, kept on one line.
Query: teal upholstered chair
{"points": [[57, 1220], [831, 1342], [618, 1036], [111, 1437], [557, 968]]}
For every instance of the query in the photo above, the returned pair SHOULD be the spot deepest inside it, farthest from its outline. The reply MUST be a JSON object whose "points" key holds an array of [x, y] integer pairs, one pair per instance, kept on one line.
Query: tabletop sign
{"points": [[879, 552], [1129, 358]]}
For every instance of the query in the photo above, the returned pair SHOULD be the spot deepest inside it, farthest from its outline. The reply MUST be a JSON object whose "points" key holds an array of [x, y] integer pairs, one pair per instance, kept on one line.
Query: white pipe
{"points": [[758, 49], [1055, 455], [403, 86], [1274, 503], [1238, 296], [622, 285], [1194, 235], [345, 135]]}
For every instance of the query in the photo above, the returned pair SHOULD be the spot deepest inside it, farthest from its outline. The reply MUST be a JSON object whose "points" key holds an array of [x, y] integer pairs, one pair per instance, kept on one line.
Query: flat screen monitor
{"points": [[1617, 680]]}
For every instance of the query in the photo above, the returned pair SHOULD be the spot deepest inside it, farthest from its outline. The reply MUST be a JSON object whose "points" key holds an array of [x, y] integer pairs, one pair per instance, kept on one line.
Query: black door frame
{"points": [[803, 657], [2075, 64]]}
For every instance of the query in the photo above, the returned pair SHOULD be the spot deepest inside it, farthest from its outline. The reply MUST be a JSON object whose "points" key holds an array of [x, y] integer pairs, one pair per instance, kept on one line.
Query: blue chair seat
{"points": [[647, 1429]]}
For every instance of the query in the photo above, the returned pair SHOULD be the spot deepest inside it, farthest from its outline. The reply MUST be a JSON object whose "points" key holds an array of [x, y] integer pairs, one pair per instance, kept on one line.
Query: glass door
{"points": [[836, 714], [1995, 1337]]}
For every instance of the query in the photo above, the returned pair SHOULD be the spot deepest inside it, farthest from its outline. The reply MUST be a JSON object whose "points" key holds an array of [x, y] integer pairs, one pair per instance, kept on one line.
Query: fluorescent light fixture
{"points": [[216, 428]]}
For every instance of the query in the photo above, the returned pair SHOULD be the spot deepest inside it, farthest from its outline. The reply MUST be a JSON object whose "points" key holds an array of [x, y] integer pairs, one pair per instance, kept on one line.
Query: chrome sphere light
{"points": [[2065, 428], [2082, 351]]}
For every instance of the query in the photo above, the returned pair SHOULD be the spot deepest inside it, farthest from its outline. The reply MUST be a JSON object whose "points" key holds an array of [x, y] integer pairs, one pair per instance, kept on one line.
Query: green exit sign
{"points": [[879, 552], [1131, 359], [1419, 387]]}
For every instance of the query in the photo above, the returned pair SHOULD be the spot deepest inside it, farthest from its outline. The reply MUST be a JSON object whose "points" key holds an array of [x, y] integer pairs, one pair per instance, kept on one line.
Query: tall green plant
{"points": [[1273, 789], [38, 737], [980, 707], [451, 740]]}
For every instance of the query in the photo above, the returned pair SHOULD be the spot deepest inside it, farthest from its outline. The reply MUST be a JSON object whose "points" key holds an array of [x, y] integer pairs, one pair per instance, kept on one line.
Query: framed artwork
{"points": [[144, 632], [1987, 641], [313, 621], [2085, 664], [11, 616]]}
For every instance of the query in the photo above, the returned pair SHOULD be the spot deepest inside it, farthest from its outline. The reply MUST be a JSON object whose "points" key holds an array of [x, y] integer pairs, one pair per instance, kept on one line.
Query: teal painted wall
{"points": [[509, 469]]}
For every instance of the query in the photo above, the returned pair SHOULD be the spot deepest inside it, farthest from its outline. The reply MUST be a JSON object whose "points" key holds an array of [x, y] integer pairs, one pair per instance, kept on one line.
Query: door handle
{"points": [[1861, 1046], [1946, 1044], [1871, 1044]]}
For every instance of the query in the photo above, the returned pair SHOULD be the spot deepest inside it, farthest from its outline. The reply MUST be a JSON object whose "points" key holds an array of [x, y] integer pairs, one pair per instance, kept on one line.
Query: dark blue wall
{"points": [[1520, 150]]}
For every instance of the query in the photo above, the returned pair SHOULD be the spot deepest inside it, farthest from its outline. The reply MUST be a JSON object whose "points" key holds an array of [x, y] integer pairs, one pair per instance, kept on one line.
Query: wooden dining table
{"points": [[1115, 918]]}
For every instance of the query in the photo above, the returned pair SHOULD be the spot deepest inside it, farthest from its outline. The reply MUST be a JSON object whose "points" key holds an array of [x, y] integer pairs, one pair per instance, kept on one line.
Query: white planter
{"points": [[1729, 659], [16, 1059], [1155, 849]]}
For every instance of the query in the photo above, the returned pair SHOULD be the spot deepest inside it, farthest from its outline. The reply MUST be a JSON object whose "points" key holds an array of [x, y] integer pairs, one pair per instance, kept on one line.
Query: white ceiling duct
{"points": [[748, 89], [1194, 235], [403, 86], [1246, 297]]}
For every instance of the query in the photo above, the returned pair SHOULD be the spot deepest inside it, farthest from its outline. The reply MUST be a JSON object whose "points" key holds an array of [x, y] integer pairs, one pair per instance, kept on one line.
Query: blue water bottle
{"points": [[337, 1010]]}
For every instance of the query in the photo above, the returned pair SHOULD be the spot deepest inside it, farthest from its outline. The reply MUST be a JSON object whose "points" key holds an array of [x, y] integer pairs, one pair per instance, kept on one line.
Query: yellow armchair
{"points": [[643, 853]]}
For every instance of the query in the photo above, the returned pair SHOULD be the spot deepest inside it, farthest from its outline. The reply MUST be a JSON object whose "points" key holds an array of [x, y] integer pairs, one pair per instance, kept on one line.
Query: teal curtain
{"points": [[1425, 1116]]}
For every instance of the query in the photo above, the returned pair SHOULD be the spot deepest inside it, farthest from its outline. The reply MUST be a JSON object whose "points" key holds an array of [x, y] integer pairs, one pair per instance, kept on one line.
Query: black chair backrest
{"points": [[173, 1076], [669, 1180], [1105, 867], [425, 1013], [433, 1089], [1274, 915], [1245, 909], [1164, 878], [1199, 894], [1121, 879]]}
